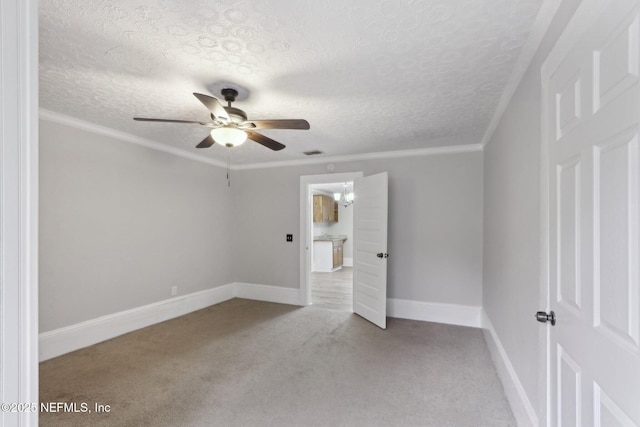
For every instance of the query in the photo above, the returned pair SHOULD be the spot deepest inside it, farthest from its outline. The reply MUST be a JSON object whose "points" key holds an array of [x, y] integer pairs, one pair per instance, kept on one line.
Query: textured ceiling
{"points": [[369, 75]]}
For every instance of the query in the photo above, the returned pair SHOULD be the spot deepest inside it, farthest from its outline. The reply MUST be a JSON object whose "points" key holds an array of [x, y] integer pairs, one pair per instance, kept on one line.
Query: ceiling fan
{"points": [[230, 126]]}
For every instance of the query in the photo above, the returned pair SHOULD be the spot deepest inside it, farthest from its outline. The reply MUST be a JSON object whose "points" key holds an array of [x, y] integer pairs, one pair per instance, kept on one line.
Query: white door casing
{"points": [[370, 240], [591, 93], [19, 212]]}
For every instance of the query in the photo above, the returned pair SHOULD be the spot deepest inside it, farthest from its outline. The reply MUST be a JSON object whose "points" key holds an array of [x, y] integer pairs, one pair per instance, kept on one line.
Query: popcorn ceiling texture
{"points": [[369, 75]]}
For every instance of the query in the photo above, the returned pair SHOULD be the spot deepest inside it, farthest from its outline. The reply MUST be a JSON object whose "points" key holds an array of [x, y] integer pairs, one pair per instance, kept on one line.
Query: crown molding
{"points": [[366, 156], [538, 30], [126, 137], [63, 119]]}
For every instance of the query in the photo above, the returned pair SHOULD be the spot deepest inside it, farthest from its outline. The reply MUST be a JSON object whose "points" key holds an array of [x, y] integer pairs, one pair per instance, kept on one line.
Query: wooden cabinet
{"points": [[325, 209], [317, 208], [337, 253]]}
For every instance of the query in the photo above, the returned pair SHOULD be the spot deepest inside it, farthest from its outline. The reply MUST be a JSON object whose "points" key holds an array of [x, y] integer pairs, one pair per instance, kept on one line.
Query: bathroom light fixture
{"points": [[344, 199], [229, 136]]}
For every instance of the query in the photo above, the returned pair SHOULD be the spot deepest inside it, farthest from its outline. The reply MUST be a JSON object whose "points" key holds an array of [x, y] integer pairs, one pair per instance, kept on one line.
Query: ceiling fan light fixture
{"points": [[230, 125], [229, 136]]}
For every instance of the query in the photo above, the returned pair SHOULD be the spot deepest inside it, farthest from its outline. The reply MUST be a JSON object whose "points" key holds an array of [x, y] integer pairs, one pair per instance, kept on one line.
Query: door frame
{"points": [[306, 221], [19, 209], [584, 16]]}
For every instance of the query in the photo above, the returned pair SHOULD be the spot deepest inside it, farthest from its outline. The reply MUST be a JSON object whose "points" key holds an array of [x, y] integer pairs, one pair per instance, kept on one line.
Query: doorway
{"points": [[327, 286], [331, 278]]}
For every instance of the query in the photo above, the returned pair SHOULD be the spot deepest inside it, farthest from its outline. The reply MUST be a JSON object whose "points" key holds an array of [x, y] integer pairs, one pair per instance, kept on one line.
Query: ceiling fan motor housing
{"points": [[236, 115]]}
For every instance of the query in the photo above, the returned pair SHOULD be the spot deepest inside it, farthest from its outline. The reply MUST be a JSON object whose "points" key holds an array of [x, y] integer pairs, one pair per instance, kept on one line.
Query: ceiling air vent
{"points": [[312, 153]]}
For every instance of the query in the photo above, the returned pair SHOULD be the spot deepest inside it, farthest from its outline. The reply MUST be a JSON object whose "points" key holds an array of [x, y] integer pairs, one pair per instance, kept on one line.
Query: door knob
{"points": [[543, 317], [381, 255]]}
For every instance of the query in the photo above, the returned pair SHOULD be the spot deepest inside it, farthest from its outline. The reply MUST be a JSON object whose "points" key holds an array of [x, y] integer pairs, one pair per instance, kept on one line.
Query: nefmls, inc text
{"points": [[76, 407]]}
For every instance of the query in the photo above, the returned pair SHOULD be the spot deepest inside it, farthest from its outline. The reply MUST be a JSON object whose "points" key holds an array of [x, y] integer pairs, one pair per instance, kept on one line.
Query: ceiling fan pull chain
{"points": [[228, 168]]}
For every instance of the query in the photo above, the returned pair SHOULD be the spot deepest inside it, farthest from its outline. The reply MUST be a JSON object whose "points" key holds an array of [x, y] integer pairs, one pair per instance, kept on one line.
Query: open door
{"points": [[370, 248], [592, 97]]}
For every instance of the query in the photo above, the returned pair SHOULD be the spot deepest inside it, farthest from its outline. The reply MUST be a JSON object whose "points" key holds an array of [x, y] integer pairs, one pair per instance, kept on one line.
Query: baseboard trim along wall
{"points": [[64, 340], [74, 337], [454, 314], [267, 293], [70, 338], [521, 406]]}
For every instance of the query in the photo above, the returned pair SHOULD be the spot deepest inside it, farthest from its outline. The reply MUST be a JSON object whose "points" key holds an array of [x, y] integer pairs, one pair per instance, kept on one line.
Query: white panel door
{"points": [[370, 248], [593, 107]]}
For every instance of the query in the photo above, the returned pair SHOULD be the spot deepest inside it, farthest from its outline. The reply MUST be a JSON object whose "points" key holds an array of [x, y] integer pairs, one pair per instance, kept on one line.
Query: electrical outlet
{"points": [[174, 290], [289, 237]]}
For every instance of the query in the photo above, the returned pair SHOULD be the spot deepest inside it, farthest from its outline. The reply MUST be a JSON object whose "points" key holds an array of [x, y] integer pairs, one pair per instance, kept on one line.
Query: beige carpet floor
{"points": [[249, 363]]}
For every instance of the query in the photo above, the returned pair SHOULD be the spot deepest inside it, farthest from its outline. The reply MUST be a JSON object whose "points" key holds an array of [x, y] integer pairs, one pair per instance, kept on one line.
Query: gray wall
{"points": [[435, 225], [511, 279], [120, 224]]}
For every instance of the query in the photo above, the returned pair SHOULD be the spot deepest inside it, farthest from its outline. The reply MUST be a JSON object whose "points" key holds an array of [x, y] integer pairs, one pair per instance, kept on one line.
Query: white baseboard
{"points": [[454, 314], [267, 293], [64, 340], [347, 262], [74, 337], [328, 270], [521, 406]]}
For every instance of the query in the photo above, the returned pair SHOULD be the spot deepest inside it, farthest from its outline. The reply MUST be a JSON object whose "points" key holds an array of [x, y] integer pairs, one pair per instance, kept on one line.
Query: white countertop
{"points": [[328, 238]]}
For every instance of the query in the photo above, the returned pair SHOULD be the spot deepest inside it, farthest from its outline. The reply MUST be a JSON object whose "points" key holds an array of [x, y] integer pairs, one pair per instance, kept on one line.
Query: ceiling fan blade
{"points": [[144, 119], [267, 142], [280, 124], [212, 103], [206, 143]]}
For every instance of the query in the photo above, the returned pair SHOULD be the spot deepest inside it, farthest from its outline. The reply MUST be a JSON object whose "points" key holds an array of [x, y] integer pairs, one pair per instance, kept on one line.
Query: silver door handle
{"points": [[543, 317]]}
